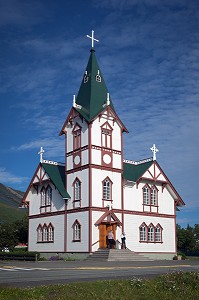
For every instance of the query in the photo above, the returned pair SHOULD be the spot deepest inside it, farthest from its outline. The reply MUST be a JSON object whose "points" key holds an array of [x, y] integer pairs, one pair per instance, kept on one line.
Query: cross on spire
{"points": [[41, 152], [154, 150], [92, 38]]}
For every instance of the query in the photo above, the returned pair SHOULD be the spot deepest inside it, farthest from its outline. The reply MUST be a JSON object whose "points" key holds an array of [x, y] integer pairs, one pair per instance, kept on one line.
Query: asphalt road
{"points": [[29, 274]]}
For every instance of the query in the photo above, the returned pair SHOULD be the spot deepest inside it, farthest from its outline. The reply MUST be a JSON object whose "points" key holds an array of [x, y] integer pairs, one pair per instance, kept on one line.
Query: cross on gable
{"points": [[154, 151], [92, 38], [41, 152]]}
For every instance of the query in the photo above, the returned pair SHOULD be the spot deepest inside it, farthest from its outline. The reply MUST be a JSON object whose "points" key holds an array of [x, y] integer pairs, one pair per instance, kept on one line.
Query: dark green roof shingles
{"points": [[57, 176], [134, 172], [92, 94]]}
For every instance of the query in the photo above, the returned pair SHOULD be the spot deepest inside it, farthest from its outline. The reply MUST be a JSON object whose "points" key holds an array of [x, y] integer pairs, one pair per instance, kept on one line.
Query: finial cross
{"points": [[92, 38], [154, 150], [41, 152]]}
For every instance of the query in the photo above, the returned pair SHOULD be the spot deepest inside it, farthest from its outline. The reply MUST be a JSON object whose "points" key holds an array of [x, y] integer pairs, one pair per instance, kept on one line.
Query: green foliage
{"points": [[13, 233], [176, 286], [188, 239], [16, 255]]}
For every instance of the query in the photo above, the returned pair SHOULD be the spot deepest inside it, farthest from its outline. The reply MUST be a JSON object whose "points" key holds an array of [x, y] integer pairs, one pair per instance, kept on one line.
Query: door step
{"points": [[117, 255]]}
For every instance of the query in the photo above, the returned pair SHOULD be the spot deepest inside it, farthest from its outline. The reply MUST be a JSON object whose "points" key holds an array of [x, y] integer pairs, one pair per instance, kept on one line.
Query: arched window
{"points": [[146, 195], [39, 234], [158, 233], [76, 137], [50, 233], [107, 186], [76, 231], [77, 193], [48, 195], [143, 233], [43, 196], [45, 233], [106, 137], [154, 196], [150, 233]]}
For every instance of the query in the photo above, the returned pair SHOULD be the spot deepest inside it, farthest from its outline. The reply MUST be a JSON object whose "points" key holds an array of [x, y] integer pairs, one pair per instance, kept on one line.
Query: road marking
{"points": [[6, 269], [13, 268]]}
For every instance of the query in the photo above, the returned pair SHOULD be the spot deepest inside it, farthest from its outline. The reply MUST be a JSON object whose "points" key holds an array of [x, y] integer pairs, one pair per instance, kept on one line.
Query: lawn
{"points": [[182, 286]]}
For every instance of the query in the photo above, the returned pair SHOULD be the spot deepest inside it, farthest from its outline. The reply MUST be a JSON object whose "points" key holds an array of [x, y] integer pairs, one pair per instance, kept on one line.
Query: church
{"points": [[73, 206]]}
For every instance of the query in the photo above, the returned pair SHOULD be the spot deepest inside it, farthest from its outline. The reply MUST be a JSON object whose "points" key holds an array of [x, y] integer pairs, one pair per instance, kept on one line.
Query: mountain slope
{"points": [[10, 200]]}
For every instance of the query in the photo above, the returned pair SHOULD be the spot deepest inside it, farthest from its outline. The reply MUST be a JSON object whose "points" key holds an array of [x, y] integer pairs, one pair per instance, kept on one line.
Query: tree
{"points": [[188, 239], [13, 233]]}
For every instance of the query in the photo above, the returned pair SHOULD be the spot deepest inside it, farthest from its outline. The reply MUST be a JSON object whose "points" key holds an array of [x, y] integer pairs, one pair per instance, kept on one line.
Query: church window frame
{"points": [[76, 231], [146, 195], [45, 233], [46, 199], [107, 189], [150, 195], [158, 233], [77, 136], [154, 196], [143, 232], [106, 135], [43, 196], [50, 233], [151, 233], [77, 189], [39, 233], [48, 195]]}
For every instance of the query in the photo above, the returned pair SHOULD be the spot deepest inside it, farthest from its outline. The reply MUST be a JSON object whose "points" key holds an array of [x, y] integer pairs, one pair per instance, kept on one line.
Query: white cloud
{"points": [[8, 178]]}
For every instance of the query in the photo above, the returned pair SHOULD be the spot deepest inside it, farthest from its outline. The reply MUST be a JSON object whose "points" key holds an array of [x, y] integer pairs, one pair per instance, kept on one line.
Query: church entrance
{"points": [[104, 229]]}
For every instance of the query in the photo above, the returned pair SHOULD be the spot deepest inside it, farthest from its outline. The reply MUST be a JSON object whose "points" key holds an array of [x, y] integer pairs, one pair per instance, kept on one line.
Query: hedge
{"points": [[26, 256]]}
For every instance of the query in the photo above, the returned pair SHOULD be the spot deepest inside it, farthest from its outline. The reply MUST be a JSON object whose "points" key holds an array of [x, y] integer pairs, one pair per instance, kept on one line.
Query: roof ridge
{"points": [[138, 162]]}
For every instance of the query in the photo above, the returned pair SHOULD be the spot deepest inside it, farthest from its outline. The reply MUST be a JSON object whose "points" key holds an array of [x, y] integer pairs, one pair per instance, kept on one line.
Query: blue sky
{"points": [[149, 56]]}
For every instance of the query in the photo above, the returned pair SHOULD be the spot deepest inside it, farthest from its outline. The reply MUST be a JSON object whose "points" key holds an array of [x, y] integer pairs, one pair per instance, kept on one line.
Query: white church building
{"points": [[73, 206]]}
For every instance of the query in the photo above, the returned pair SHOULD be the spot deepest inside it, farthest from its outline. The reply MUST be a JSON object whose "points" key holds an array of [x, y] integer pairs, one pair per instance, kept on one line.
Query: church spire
{"points": [[92, 95]]}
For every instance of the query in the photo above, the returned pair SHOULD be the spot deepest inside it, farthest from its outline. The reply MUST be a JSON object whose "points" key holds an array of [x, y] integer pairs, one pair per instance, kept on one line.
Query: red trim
{"points": [[90, 189], [94, 167]]}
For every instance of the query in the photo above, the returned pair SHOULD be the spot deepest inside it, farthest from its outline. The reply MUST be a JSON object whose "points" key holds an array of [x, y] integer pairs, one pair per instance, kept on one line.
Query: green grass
{"points": [[176, 286], [10, 214]]}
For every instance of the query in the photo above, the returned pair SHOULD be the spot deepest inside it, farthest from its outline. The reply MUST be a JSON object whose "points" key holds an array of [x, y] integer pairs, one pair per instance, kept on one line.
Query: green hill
{"points": [[10, 201]]}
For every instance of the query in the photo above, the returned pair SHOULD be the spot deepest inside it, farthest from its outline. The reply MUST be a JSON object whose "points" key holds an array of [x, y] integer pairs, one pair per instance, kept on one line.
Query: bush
{"points": [[16, 255]]}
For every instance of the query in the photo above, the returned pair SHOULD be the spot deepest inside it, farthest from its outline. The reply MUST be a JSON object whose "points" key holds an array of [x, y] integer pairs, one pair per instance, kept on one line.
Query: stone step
{"points": [[117, 255], [101, 254]]}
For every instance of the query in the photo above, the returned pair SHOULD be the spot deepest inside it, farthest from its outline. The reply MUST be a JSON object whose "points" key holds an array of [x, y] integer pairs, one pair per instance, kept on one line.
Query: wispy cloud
{"points": [[8, 178]]}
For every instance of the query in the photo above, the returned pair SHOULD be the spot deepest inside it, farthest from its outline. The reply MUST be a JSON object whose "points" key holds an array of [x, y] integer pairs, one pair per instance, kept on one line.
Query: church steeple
{"points": [[93, 95]]}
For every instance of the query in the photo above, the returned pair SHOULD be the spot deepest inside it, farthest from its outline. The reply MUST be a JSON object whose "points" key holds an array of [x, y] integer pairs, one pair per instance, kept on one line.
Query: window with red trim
{"points": [[143, 233], [76, 231], [150, 233], [77, 193], [45, 233], [106, 135], [76, 137], [107, 189], [150, 195], [46, 196]]}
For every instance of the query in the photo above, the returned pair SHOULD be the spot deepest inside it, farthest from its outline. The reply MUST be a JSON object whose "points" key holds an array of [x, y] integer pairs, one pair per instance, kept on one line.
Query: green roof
{"points": [[57, 176], [92, 94], [134, 172]]}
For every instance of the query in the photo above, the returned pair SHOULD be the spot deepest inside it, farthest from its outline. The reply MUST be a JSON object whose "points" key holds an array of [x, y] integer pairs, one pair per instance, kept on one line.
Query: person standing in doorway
{"points": [[123, 238], [111, 241]]}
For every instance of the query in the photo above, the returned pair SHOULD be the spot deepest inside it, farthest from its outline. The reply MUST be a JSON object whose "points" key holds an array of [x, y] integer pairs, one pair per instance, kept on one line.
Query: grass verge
{"points": [[176, 286]]}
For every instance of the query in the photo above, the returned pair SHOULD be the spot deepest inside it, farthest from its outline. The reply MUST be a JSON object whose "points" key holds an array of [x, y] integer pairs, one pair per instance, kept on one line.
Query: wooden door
{"points": [[103, 231]]}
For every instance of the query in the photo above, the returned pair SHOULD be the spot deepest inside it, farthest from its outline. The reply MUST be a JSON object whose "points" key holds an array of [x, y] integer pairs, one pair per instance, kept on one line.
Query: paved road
{"points": [[29, 274]]}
